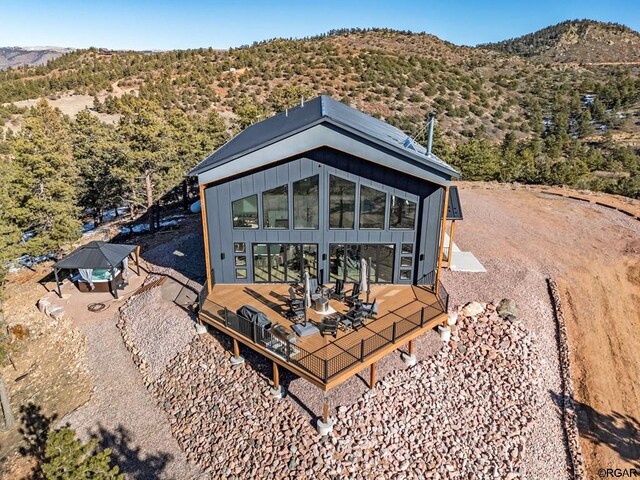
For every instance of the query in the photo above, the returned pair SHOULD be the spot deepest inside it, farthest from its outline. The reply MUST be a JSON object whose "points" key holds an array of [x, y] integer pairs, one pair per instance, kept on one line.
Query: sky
{"points": [[165, 24]]}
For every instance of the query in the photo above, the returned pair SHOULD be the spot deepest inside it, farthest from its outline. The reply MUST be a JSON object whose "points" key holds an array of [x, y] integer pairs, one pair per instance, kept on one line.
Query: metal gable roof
{"points": [[318, 110]]}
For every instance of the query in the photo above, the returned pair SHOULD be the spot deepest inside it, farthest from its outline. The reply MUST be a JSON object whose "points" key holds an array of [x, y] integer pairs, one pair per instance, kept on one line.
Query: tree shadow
{"points": [[618, 431], [183, 252], [130, 459], [34, 430]]}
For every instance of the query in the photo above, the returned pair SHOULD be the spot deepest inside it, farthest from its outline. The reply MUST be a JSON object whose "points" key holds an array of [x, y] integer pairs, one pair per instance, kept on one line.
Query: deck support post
{"points": [[205, 235], [372, 375], [277, 391], [325, 425], [409, 358], [450, 250], [442, 231], [236, 359]]}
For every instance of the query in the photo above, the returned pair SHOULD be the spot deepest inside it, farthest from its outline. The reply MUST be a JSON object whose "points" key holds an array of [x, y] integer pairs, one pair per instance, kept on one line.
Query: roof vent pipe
{"points": [[432, 121], [302, 101]]}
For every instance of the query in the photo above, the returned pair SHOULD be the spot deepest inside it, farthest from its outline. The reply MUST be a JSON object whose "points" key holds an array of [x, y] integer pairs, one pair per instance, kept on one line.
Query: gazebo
{"points": [[98, 264]]}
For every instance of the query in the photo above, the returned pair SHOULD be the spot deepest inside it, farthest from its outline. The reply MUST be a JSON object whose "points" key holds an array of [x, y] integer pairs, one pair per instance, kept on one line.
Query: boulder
{"points": [[507, 307], [472, 309], [56, 313], [44, 304]]}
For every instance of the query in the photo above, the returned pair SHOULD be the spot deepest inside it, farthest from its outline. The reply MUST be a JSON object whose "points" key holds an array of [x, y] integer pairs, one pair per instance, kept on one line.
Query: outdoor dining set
{"points": [[317, 298]]}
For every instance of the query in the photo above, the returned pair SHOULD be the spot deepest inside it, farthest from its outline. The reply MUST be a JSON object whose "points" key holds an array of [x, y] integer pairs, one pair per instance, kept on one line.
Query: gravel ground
{"points": [[465, 413], [123, 415], [546, 454], [158, 329], [181, 256], [308, 398]]}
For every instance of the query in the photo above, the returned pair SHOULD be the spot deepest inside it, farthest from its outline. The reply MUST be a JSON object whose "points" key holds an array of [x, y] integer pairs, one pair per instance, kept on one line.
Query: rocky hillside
{"points": [[562, 112], [31, 56], [576, 41]]}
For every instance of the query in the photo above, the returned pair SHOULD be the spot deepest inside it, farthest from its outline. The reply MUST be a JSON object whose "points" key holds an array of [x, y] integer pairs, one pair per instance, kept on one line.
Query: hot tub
{"points": [[100, 278]]}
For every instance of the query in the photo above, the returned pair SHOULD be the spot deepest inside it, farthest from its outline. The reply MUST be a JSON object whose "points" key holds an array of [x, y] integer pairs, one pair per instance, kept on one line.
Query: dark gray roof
{"points": [[96, 255], [454, 207], [315, 111]]}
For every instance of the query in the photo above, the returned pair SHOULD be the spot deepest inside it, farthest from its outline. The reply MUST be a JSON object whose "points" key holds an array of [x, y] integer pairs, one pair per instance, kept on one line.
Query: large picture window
{"points": [[342, 203], [275, 207], [345, 262], [284, 262], [373, 204], [245, 212], [306, 203], [402, 213]]}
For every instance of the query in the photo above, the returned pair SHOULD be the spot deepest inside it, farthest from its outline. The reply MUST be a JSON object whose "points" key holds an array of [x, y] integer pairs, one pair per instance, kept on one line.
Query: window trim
{"points": [[356, 209], [288, 210], [415, 220], [405, 269], [402, 244], [257, 212], [384, 215], [293, 204]]}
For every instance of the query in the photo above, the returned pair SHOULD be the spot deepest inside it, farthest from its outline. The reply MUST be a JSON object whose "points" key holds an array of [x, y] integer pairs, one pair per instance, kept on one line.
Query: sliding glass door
{"points": [[344, 262], [283, 262]]}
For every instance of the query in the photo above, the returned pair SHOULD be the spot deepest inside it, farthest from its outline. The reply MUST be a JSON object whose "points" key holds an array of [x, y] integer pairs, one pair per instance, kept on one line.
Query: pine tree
{"points": [[145, 158], [46, 189], [96, 151], [585, 128], [66, 458]]}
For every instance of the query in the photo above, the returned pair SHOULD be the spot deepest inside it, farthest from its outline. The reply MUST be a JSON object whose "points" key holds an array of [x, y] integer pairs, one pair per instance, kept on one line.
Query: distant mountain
{"points": [[576, 41], [32, 56]]}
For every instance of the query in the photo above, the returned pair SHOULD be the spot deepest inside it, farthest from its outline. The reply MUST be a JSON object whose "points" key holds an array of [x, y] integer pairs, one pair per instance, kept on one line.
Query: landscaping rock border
{"points": [[569, 417]]}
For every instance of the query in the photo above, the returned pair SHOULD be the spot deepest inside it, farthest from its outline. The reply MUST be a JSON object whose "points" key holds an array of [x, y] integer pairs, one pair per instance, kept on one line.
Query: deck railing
{"points": [[429, 281], [319, 363]]}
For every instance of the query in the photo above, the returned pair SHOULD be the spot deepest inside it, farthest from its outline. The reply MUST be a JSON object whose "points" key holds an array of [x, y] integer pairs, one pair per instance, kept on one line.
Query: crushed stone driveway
{"points": [[123, 416]]}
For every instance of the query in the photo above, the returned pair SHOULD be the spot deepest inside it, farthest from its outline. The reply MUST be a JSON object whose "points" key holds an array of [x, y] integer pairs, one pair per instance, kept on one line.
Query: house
{"points": [[319, 188]]}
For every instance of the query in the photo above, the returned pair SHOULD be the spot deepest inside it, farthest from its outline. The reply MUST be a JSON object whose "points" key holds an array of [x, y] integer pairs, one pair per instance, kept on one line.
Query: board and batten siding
{"points": [[322, 162]]}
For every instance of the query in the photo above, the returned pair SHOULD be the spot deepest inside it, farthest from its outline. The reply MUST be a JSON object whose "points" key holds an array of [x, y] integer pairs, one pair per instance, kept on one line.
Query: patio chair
{"points": [[353, 319], [368, 309], [296, 309], [293, 301], [329, 325], [337, 292], [353, 297], [295, 314]]}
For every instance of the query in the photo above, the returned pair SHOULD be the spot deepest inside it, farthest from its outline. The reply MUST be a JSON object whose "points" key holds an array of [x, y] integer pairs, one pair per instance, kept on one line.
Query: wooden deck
{"points": [[412, 309]]}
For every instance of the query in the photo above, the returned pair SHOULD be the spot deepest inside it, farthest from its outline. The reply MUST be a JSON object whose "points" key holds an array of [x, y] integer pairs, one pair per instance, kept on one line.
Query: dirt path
{"points": [[123, 415], [594, 253]]}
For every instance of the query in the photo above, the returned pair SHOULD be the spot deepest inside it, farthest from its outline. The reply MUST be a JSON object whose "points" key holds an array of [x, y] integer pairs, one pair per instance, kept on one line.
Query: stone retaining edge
{"points": [[569, 417]]}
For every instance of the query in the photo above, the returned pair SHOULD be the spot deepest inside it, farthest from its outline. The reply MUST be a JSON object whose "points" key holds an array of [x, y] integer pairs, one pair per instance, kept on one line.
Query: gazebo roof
{"points": [[96, 254]]}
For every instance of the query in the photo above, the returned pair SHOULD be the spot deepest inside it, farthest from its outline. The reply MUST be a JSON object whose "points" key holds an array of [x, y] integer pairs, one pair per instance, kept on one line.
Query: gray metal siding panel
{"points": [[323, 162], [430, 232]]}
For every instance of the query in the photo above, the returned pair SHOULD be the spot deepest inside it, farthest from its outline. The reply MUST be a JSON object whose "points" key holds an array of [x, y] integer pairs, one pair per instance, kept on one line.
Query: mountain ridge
{"points": [[29, 56], [575, 41]]}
